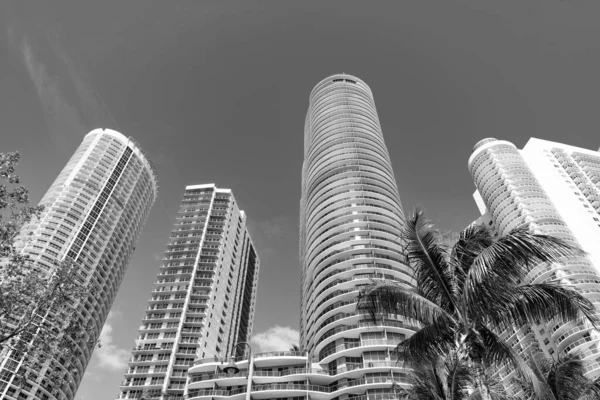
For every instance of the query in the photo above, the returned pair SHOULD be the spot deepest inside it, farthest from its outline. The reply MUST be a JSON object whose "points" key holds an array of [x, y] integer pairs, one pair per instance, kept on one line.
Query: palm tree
{"points": [[466, 292], [448, 378], [565, 378]]}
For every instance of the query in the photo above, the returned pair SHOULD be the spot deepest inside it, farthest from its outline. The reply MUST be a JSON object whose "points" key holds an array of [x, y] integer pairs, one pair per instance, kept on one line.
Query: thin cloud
{"points": [[269, 233], [92, 105], [70, 102], [276, 338], [275, 228], [110, 356], [63, 119]]}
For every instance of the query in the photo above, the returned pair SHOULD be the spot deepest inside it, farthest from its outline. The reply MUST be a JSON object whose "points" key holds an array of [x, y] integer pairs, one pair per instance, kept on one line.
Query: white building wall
{"points": [[574, 206]]}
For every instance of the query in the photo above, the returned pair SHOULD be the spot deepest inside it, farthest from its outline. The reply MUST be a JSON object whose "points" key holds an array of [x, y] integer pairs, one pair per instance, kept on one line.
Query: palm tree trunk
{"points": [[481, 380]]}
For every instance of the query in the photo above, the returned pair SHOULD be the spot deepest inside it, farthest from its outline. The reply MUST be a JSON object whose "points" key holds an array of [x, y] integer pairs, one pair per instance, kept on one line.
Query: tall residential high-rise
{"points": [[552, 189], [94, 213], [350, 223], [204, 296]]}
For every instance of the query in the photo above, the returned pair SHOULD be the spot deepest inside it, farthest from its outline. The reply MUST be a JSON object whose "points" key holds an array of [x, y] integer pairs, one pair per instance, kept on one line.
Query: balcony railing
{"points": [[254, 356], [297, 371]]}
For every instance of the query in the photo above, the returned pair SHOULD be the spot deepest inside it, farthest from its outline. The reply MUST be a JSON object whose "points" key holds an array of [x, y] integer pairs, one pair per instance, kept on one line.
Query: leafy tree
{"points": [[565, 378], [37, 320], [466, 292]]}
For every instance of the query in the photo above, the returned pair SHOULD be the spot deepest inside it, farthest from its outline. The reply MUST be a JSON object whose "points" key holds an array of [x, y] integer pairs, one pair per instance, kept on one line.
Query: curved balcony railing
{"points": [[289, 386], [297, 371]]}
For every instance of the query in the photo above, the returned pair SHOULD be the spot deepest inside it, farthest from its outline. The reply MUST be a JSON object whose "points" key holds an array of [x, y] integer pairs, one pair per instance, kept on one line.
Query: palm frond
{"points": [[512, 256], [458, 377], [566, 378], [591, 390], [427, 382], [385, 298], [498, 352], [471, 241], [527, 304], [446, 378], [428, 258], [538, 362], [496, 389], [427, 344], [488, 301]]}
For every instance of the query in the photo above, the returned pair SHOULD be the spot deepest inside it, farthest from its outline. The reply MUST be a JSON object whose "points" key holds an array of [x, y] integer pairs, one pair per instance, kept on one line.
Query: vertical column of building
{"points": [[513, 197], [94, 213], [194, 310]]}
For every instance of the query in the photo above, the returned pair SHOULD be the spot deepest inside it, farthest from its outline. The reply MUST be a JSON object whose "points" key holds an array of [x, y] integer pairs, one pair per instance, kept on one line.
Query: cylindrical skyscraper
{"points": [[94, 213], [350, 224]]}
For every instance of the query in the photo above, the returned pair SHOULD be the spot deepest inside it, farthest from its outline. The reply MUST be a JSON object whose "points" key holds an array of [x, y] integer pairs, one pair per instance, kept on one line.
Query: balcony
{"points": [[257, 356], [353, 345]]}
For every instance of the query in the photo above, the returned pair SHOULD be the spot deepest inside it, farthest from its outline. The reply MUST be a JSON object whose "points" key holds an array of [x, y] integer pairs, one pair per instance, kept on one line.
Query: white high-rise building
{"points": [[204, 298], [553, 189], [94, 213], [350, 223], [571, 178]]}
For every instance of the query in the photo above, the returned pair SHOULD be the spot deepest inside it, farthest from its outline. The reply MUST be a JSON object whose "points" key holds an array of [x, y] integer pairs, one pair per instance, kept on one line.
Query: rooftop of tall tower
{"points": [[340, 78], [484, 141], [130, 141]]}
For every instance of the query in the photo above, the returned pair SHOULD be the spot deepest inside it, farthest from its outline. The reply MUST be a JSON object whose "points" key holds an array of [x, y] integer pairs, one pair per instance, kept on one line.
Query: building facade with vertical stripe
{"points": [[94, 213]]}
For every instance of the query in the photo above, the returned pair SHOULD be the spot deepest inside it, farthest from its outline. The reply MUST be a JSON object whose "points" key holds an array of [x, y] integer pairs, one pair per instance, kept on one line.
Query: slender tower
{"points": [[551, 189], [350, 223], [204, 297], [94, 213]]}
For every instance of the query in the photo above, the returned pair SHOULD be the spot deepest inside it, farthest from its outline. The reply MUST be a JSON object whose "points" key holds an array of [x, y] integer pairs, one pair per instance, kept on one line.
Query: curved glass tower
{"points": [[94, 213]]}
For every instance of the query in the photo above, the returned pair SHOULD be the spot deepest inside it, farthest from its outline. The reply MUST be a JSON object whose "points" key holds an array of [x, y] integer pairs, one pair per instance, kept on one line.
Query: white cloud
{"points": [[110, 356], [276, 338]]}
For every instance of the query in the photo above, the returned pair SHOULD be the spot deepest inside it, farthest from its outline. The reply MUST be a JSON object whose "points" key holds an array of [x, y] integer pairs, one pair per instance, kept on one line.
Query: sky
{"points": [[217, 91]]}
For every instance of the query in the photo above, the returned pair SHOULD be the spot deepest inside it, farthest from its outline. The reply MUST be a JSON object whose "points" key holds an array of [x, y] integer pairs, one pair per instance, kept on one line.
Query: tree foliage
{"points": [[564, 378], [466, 293], [447, 378], [37, 319]]}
